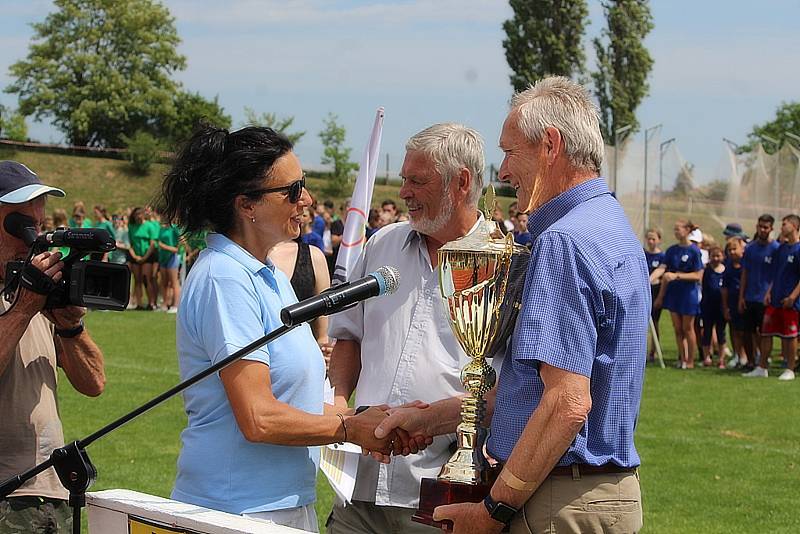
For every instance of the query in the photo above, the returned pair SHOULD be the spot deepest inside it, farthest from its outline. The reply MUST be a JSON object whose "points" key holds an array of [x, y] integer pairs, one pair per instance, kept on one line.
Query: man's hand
{"points": [[65, 318], [787, 302], [410, 424], [361, 431], [669, 277], [767, 298], [50, 264], [726, 314], [467, 518], [740, 305]]}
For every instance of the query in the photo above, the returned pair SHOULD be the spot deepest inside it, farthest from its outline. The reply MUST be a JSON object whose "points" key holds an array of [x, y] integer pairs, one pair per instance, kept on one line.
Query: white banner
{"points": [[356, 222]]}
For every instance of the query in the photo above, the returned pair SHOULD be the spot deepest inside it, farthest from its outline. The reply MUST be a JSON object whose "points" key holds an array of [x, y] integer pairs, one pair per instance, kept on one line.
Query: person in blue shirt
{"points": [[568, 396], [680, 291], [731, 281], [250, 446], [781, 302], [307, 233], [522, 236], [756, 272], [711, 306], [655, 266]]}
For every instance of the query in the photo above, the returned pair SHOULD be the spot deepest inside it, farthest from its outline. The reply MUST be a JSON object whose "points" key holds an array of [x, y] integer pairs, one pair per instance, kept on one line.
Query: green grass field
{"points": [[719, 453]]}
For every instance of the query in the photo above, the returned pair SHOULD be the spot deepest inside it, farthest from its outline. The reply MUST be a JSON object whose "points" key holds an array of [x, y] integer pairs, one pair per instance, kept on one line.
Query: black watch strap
{"points": [[70, 332], [499, 511]]}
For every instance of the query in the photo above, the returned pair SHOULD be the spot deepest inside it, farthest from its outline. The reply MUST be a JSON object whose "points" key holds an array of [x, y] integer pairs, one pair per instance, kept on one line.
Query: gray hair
{"points": [[566, 106], [452, 147]]}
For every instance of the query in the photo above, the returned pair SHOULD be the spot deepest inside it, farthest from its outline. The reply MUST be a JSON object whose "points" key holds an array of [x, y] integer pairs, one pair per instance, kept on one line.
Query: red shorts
{"points": [[780, 322]]}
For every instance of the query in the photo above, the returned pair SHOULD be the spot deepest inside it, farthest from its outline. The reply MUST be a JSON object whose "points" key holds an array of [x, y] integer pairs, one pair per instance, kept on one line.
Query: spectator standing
{"points": [[169, 261], [680, 291], [103, 222], [756, 273], [781, 302], [656, 267], [120, 254], [142, 249], [522, 236], [308, 233], [731, 281], [711, 306]]}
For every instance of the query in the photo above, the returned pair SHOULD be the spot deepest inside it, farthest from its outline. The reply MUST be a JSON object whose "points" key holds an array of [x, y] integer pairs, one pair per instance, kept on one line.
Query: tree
{"points": [[787, 119], [143, 151], [544, 38], [684, 183], [623, 64], [271, 120], [100, 69], [12, 125], [336, 154], [190, 110]]}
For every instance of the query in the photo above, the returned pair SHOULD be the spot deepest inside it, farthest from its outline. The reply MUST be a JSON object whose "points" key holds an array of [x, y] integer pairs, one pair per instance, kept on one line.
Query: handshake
{"points": [[383, 431]]}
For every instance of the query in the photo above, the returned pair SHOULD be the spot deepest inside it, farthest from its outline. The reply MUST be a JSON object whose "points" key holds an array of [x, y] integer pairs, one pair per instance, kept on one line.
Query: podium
{"points": [[120, 511]]}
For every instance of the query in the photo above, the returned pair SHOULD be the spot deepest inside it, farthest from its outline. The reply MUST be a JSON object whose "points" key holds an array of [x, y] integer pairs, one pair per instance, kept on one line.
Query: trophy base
{"points": [[435, 492]]}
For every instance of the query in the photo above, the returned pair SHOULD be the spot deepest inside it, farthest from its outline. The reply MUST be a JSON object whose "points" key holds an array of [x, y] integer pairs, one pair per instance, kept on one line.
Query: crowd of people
{"points": [[750, 286]]}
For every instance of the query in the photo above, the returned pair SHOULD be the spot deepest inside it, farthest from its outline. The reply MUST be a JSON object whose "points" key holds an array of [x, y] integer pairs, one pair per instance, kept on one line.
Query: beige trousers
{"points": [[368, 518], [604, 503]]}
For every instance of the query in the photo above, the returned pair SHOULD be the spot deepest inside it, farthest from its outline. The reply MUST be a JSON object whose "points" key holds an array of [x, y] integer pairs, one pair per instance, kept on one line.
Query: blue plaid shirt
{"points": [[585, 309]]}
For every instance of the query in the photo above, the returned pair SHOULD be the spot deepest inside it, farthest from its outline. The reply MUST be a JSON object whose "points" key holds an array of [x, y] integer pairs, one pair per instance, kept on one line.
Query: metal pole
{"points": [[387, 168], [661, 149], [646, 202], [617, 140]]}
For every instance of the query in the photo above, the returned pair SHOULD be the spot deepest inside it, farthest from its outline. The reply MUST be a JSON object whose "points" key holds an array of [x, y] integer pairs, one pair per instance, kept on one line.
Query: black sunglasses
{"points": [[294, 190]]}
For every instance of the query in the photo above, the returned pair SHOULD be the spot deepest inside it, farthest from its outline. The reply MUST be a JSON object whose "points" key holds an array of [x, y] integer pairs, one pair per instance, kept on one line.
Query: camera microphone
{"points": [[93, 239], [21, 226]]}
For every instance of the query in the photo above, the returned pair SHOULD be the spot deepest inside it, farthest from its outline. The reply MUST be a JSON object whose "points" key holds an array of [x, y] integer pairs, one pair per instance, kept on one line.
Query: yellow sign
{"points": [[141, 526]]}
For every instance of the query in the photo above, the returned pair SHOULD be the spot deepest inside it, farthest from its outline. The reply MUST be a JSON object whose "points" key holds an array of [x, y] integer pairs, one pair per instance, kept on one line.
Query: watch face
{"points": [[503, 513]]}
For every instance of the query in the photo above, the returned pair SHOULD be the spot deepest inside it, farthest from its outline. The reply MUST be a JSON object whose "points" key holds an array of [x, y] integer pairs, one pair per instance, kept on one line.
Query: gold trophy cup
{"points": [[481, 277]]}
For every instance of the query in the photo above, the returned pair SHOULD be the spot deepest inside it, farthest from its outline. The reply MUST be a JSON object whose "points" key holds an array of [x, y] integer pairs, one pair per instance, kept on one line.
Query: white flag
{"points": [[354, 227]]}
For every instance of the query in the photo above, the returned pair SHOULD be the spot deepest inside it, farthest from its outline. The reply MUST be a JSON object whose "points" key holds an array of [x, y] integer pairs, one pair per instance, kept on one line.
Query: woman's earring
{"points": [[253, 219]]}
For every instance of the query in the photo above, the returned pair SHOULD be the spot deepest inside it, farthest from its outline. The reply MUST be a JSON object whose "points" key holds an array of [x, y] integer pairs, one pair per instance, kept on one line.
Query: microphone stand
{"points": [[71, 462]]}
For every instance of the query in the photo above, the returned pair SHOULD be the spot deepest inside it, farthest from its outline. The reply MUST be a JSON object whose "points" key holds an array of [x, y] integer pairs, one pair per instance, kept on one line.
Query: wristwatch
{"points": [[70, 332], [499, 511]]}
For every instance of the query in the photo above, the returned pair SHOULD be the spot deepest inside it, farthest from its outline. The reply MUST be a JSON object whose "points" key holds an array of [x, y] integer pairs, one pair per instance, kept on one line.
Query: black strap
{"points": [[35, 280]]}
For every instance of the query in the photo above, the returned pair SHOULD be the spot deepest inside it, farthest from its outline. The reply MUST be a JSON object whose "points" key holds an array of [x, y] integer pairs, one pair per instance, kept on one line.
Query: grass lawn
{"points": [[720, 453]]}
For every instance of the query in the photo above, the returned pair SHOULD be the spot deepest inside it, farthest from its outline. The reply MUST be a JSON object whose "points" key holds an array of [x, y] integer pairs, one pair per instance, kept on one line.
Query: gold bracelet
{"points": [[514, 482]]}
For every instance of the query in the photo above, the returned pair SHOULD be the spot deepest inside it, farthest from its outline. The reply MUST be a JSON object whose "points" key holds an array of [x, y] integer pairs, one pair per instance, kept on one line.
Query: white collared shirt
{"points": [[408, 352]]}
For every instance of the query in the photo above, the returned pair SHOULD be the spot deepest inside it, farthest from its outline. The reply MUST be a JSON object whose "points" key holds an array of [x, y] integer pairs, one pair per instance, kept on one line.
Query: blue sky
{"points": [[720, 66]]}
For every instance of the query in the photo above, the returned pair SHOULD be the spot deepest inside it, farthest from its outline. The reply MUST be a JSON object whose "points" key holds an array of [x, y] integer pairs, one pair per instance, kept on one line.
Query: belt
{"points": [[577, 470]]}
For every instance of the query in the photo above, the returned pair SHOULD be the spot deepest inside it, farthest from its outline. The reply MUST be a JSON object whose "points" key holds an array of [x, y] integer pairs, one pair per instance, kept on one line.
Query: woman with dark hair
{"points": [[250, 444]]}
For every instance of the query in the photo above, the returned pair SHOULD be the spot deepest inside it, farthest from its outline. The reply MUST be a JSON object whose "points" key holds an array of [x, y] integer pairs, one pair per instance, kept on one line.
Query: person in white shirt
{"points": [[399, 348]]}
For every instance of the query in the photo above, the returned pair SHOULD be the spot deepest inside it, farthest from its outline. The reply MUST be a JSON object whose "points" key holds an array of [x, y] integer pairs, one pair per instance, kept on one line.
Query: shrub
{"points": [[143, 151]]}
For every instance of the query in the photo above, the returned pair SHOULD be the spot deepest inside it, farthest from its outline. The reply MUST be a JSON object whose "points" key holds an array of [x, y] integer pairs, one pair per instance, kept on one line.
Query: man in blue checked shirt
{"points": [[569, 391]]}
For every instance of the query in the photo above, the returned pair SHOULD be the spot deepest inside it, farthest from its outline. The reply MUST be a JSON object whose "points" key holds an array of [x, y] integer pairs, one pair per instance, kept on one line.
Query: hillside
{"points": [[112, 183]]}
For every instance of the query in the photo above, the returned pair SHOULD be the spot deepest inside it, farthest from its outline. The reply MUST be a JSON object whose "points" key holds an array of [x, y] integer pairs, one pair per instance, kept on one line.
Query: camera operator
{"points": [[32, 343]]}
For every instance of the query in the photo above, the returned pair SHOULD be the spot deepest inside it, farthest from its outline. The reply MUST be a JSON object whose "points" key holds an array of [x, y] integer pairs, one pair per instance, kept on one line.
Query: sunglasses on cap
{"points": [[294, 190]]}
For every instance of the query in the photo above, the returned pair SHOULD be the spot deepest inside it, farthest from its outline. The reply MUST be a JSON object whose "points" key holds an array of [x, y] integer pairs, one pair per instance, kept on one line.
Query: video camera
{"points": [[88, 283]]}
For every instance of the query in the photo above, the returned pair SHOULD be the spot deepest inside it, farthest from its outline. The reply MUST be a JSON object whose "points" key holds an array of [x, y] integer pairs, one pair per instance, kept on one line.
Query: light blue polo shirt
{"points": [[231, 299]]}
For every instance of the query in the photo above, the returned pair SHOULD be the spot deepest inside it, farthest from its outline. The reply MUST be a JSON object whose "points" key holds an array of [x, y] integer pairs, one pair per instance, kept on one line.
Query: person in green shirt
{"points": [[143, 241], [195, 242], [79, 218], [102, 221], [169, 263]]}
